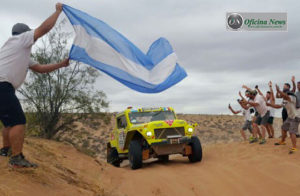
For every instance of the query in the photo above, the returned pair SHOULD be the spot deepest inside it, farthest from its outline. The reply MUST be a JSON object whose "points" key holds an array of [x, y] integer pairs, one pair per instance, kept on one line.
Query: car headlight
{"points": [[149, 133], [190, 130]]}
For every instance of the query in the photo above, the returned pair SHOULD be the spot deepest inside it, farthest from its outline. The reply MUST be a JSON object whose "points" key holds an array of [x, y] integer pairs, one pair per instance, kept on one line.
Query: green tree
{"points": [[57, 99]]}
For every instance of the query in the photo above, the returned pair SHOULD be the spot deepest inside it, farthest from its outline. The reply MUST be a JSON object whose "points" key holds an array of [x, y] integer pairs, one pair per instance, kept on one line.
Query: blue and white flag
{"points": [[100, 46]]}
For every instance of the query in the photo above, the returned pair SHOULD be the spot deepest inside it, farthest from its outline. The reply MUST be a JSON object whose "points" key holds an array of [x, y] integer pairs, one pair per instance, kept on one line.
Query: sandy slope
{"points": [[63, 171], [226, 169]]}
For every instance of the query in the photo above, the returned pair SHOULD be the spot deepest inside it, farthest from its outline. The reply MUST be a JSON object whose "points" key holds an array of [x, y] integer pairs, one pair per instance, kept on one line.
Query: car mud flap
{"points": [[187, 150], [146, 154]]}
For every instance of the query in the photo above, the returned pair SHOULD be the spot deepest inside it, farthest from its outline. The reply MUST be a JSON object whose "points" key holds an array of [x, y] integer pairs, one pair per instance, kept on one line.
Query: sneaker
{"points": [[279, 143], [253, 140], [5, 151], [292, 150], [19, 161], [262, 141]]}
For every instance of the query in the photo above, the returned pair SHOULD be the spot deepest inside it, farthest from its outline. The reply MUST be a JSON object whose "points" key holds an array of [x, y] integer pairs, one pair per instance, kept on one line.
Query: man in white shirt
{"points": [[291, 124], [269, 98], [14, 64], [258, 102]]}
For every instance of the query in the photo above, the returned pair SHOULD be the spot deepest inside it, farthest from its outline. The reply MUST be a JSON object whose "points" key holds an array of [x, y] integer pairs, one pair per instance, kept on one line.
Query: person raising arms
{"points": [[258, 102], [291, 124], [246, 111], [14, 64]]}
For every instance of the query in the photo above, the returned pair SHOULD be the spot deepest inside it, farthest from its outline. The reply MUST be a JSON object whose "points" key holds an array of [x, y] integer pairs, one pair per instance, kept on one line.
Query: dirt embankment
{"points": [[227, 169], [63, 171]]}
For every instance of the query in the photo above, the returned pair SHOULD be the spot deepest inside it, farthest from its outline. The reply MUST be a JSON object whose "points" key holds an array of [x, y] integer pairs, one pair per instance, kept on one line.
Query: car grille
{"points": [[165, 132]]}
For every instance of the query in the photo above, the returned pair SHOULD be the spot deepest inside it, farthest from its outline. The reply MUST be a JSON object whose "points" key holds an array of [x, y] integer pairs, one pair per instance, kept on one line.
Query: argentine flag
{"points": [[100, 46]]}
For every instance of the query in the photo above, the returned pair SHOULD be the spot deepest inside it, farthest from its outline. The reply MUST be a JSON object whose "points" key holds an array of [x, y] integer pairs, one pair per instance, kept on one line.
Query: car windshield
{"points": [[145, 117]]}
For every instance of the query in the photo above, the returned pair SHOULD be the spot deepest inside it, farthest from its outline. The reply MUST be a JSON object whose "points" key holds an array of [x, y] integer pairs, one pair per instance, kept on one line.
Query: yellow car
{"points": [[146, 133]]}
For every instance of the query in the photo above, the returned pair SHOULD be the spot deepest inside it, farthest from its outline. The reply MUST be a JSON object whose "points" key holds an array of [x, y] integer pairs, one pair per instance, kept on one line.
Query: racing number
{"points": [[122, 124], [121, 139]]}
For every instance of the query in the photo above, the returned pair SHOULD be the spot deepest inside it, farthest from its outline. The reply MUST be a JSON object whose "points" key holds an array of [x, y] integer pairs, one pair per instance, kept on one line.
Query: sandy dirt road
{"points": [[226, 169]]}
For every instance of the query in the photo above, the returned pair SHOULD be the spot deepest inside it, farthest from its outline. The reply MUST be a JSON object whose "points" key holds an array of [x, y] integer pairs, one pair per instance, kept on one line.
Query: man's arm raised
{"points": [[261, 94], [49, 67], [240, 94], [294, 84], [48, 24], [247, 88], [282, 94], [234, 112], [272, 93]]}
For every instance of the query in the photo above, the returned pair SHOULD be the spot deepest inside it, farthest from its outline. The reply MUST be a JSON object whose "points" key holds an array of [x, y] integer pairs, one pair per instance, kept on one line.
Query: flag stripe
{"points": [[103, 52], [79, 54]]}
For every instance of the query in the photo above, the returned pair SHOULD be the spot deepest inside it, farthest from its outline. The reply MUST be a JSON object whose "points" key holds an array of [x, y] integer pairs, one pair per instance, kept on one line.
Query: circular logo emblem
{"points": [[235, 21]]}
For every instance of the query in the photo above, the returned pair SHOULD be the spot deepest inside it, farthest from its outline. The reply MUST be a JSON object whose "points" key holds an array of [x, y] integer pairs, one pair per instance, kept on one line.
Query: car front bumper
{"points": [[168, 147]]}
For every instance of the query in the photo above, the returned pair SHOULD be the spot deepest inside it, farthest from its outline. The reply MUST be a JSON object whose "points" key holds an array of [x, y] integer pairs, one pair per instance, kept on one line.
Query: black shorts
{"points": [[270, 120], [284, 114], [11, 112]]}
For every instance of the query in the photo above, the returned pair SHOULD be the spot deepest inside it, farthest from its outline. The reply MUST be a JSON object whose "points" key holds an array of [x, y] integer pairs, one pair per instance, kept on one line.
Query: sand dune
{"points": [[63, 171], [226, 169]]}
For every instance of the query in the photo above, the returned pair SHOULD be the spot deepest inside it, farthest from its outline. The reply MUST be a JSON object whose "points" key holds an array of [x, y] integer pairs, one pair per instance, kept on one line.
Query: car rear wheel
{"points": [[135, 154], [196, 155], [113, 157]]}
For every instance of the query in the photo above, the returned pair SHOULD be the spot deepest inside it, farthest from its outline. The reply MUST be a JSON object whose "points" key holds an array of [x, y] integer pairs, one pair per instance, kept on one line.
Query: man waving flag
{"points": [[99, 45]]}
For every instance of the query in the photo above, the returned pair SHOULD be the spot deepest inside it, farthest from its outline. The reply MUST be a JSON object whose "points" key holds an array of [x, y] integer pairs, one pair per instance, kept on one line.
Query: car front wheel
{"points": [[135, 155], [196, 155]]}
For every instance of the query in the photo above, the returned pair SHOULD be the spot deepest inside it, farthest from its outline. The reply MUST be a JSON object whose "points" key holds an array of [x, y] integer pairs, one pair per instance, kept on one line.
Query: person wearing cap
{"points": [[258, 102], [297, 97], [286, 89], [291, 124], [14, 64], [255, 129], [269, 98], [297, 93]]}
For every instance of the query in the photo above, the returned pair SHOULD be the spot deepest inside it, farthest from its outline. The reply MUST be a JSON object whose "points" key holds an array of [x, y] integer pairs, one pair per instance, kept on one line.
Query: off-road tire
{"points": [[196, 155], [163, 158], [113, 157], [135, 154]]}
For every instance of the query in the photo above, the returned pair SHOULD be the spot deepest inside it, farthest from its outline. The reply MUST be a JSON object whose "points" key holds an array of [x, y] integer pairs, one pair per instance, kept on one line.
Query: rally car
{"points": [[146, 133]]}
